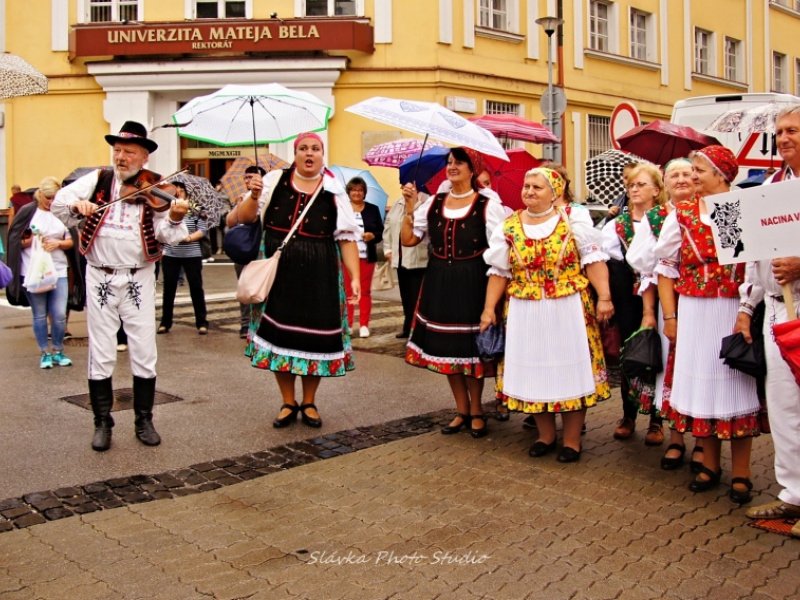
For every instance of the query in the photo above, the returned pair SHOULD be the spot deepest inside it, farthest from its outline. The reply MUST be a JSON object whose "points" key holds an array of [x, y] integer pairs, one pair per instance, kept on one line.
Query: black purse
{"points": [[241, 242], [205, 247], [641, 354], [492, 342], [747, 358]]}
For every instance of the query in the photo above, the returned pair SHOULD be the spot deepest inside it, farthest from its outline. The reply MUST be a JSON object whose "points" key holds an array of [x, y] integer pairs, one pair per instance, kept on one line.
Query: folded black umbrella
{"points": [[641, 354], [744, 357]]}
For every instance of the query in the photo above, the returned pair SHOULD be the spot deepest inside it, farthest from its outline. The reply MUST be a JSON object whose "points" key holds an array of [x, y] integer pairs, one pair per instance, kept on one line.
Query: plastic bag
{"points": [[5, 275], [382, 278], [41, 275]]}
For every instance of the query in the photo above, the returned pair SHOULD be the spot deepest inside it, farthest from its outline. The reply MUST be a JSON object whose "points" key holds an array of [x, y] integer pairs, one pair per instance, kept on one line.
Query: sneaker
{"points": [[122, 347], [59, 359], [364, 331], [46, 362]]}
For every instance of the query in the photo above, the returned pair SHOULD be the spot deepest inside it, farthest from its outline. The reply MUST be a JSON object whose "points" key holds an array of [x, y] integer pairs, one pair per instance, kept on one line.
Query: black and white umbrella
{"points": [[18, 78], [200, 192], [604, 175]]}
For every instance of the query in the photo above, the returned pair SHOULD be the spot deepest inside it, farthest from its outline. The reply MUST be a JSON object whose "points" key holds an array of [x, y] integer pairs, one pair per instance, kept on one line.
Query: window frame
{"points": [[85, 10], [300, 9], [709, 46], [648, 31], [738, 62], [248, 8], [594, 20], [797, 76], [601, 126], [779, 62], [499, 107]]}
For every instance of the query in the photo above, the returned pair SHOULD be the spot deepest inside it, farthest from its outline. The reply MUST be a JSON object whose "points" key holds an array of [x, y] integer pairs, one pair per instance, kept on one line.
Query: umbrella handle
{"points": [[419, 161], [789, 300]]}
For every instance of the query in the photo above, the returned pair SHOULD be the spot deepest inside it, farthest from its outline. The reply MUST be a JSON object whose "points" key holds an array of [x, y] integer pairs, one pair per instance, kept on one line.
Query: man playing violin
{"points": [[121, 243]]}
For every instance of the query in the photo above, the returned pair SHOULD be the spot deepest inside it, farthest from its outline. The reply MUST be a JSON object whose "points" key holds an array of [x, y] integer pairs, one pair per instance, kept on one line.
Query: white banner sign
{"points": [[756, 223]]}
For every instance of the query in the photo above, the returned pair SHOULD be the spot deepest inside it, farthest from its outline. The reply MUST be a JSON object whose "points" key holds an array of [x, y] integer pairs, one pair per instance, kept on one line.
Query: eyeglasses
{"points": [[638, 185]]}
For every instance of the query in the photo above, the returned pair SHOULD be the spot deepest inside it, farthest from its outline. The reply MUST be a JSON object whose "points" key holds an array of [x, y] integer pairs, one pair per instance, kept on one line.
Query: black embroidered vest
{"points": [[287, 204], [101, 196], [458, 239]]}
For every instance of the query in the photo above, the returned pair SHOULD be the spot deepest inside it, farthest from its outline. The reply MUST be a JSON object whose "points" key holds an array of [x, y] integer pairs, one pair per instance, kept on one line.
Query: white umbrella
{"points": [[257, 114], [429, 119], [18, 78]]}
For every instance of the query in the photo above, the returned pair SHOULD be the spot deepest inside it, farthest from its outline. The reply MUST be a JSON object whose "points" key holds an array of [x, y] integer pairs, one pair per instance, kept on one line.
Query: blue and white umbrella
{"points": [[375, 193]]}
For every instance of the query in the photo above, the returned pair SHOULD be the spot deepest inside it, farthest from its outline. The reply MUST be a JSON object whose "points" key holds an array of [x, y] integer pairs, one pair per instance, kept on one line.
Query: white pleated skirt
{"points": [[547, 356], [703, 386]]}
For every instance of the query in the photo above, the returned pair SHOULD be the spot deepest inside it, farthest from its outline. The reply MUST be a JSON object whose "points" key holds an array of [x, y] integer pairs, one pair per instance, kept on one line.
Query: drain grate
{"points": [[76, 342], [123, 399]]}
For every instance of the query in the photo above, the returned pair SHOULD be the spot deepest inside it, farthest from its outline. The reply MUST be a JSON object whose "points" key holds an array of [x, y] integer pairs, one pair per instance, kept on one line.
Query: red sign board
{"points": [[219, 37]]}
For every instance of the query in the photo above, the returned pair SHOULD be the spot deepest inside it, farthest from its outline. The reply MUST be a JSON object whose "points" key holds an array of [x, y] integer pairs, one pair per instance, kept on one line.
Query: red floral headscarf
{"points": [[722, 160]]}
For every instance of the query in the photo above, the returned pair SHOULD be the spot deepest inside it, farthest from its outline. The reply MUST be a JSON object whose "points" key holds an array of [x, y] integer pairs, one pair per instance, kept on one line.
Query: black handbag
{"points": [[241, 242], [205, 247], [491, 342], [641, 354], [747, 358]]}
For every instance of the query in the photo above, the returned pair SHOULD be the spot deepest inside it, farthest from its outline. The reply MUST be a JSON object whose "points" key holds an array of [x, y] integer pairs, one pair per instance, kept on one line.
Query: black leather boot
{"points": [[101, 394], [144, 396]]}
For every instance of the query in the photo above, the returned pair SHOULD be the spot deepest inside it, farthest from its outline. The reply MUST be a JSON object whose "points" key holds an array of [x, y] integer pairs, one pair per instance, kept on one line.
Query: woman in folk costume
{"points": [[554, 358], [708, 399], [302, 330], [456, 224], [680, 186], [645, 190]]}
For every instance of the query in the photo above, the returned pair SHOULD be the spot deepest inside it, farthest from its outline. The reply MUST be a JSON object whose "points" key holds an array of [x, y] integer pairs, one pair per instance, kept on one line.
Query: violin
{"points": [[147, 187]]}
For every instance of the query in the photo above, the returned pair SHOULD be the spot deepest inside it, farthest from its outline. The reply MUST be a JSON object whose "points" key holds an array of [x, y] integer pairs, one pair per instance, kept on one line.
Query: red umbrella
{"points": [[787, 336], [507, 176], [661, 141], [515, 128]]}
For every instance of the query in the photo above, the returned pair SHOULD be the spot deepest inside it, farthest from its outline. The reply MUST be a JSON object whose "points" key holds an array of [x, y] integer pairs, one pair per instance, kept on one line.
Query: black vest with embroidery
{"points": [[101, 196], [458, 239], [287, 204]]}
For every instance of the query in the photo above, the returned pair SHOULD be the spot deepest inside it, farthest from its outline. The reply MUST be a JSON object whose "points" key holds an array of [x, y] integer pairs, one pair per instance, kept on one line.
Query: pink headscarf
{"points": [[306, 135]]}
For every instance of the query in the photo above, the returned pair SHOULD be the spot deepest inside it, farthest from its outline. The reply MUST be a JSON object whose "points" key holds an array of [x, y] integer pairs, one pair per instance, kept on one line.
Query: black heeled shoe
{"points": [[703, 485], [450, 428], [478, 432], [568, 455], [741, 497], [540, 449], [696, 465], [670, 464], [501, 415], [309, 421], [288, 419]]}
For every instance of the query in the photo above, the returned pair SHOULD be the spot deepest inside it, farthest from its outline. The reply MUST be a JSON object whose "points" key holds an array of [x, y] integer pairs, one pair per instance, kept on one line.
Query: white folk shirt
{"points": [[118, 242]]}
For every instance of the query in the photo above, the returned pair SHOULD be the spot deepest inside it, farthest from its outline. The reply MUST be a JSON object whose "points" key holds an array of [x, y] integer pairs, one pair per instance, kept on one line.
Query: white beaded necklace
{"points": [[536, 215], [464, 195], [304, 178]]}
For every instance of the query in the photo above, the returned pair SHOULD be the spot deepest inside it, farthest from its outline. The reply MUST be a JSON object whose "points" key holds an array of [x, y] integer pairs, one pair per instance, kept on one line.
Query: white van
{"points": [[756, 152]]}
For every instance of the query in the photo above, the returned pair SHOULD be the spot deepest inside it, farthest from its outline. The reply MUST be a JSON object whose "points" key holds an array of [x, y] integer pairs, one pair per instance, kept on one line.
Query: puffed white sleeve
{"points": [[751, 292], [168, 231], [641, 254], [495, 213], [668, 248], [66, 197], [346, 225], [587, 238], [421, 219], [498, 254], [611, 244]]}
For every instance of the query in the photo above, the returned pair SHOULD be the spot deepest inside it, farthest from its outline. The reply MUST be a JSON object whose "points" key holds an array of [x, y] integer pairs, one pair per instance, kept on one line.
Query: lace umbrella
{"points": [[18, 78], [394, 153]]}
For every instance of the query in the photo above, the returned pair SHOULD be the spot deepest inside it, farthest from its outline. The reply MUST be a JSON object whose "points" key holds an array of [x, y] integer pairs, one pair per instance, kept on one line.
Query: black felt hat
{"points": [[133, 133]]}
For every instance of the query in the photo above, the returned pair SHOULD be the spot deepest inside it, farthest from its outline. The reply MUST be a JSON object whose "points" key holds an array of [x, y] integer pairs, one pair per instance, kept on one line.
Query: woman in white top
{"points": [[553, 357], [55, 239]]}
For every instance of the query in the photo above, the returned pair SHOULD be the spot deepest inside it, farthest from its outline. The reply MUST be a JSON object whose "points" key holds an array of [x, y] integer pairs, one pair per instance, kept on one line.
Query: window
{"points": [[779, 74], [703, 52], [220, 9], [330, 8], [599, 135], [793, 4], [493, 14], [599, 13], [504, 108], [101, 11], [797, 77], [733, 60], [639, 22]]}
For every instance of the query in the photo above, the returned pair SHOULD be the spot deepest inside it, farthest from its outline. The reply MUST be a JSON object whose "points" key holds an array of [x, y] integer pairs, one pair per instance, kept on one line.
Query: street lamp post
{"points": [[550, 24]]}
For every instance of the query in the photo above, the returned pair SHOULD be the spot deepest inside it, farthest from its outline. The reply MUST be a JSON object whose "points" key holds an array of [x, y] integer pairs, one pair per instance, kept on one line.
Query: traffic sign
{"points": [[558, 102], [624, 117], [759, 150]]}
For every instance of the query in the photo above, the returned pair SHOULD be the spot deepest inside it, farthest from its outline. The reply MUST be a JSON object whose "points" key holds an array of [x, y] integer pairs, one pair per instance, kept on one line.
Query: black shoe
{"points": [[465, 421], [309, 421], [529, 422], [478, 432], [696, 465], [568, 455], [670, 464], [145, 432], [703, 485], [243, 333], [288, 419], [540, 449], [741, 497], [402, 335], [501, 412]]}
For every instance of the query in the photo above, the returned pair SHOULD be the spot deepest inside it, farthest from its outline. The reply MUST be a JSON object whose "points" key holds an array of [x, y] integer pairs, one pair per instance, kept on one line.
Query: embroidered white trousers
{"points": [[129, 298]]}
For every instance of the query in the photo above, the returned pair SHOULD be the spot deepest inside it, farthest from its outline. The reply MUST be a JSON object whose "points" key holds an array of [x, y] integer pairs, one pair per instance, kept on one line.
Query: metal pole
{"points": [[550, 149]]}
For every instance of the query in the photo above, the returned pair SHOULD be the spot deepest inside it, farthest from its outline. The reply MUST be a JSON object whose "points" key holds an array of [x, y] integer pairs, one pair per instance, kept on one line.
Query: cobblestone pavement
{"points": [[398, 511]]}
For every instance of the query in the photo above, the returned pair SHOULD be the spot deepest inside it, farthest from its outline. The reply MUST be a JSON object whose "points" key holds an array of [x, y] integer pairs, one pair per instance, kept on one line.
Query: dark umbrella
{"points": [[200, 191], [420, 169], [604, 176], [661, 141], [753, 180], [77, 174]]}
